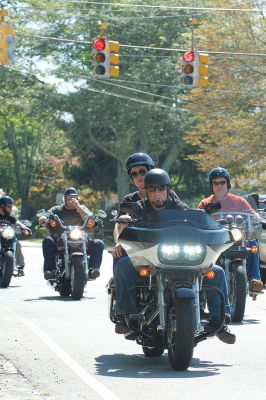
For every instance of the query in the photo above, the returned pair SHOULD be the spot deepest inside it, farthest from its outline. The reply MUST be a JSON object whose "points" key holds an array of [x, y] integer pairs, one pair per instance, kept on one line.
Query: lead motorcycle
{"points": [[8, 245], [72, 260], [173, 250]]}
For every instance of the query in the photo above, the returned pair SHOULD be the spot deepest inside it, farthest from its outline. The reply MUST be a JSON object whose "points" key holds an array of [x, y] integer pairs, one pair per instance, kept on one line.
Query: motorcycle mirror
{"points": [[101, 214], [114, 213], [26, 222], [40, 212], [211, 208]]}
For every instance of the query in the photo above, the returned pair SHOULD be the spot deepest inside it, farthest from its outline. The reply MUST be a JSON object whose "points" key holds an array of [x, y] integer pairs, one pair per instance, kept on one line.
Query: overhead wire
{"points": [[164, 7], [144, 47]]}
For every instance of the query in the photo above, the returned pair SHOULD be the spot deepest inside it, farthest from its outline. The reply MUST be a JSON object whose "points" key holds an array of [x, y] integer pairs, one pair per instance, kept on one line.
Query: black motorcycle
{"points": [[173, 250], [72, 273], [8, 245], [233, 261]]}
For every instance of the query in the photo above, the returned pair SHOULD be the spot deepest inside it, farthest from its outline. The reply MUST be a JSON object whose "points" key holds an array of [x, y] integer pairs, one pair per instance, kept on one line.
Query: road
{"points": [[62, 349]]}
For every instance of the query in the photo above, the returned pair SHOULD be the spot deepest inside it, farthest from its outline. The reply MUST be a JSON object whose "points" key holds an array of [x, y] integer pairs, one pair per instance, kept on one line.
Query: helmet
{"points": [[156, 177], [6, 201], [139, 159], [219, 172], [71, 191]]}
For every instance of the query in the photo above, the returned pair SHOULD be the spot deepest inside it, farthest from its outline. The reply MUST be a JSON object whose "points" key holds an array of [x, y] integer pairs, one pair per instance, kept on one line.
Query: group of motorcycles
{"points": [[172, 251]]}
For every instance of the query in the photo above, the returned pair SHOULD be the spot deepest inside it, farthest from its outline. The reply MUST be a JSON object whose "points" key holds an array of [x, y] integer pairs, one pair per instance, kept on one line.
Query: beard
{"points": [[158, 204]]}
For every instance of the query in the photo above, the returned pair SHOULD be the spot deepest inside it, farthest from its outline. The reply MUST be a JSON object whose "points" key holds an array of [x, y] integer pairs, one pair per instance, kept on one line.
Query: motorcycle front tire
{"points": [[238, 292], [77, 277], [180, 333], [7, 269]]}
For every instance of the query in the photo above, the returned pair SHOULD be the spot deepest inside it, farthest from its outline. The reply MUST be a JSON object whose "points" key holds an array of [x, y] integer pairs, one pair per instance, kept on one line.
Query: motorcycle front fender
{"points": [[184, 293]]}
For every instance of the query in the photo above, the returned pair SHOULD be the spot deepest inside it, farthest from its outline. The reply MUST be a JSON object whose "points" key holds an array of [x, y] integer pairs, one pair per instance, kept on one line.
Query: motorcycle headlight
{"points": [[185, 254], [8, 233], [237, 234], [75, 234]]}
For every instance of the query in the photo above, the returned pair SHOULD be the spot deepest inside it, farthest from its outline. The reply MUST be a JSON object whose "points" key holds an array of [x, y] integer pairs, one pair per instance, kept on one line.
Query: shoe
{"points": [[21, 271], [255, 285], [49, 275], [226, 336], [94, 273], [121, 328]]}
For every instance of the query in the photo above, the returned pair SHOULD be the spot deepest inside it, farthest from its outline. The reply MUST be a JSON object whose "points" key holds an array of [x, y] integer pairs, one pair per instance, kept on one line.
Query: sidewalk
{"points": [[14, 386]]}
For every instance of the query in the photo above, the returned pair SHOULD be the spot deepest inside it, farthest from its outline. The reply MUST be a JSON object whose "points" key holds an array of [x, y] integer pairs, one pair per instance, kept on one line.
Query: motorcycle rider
{"points": [[137, 165], [220, 185], [157, 186], [6, 217], [71, 212]]}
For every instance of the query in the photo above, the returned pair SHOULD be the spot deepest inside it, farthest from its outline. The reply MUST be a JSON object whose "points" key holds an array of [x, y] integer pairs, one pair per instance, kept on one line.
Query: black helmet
{"points": [[219, 172], [6, 201], [156, 177], [139, 159], [71, 191]]}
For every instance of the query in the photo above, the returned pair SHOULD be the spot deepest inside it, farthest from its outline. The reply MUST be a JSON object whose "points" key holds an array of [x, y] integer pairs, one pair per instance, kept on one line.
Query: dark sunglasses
{"points": [[219, 183], [160, 188], [141, 172]]}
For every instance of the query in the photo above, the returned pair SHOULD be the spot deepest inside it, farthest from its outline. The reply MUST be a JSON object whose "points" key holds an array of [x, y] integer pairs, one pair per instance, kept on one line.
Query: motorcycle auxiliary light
{"points": [[90, 223], [8, 233], [144, 271], [53, 223], [178, 253], [75, 234], [254, 249], [237, 234]]}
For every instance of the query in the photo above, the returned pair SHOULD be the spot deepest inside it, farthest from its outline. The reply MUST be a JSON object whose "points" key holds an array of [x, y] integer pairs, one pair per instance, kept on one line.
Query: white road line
{"points": [[87, 378]]}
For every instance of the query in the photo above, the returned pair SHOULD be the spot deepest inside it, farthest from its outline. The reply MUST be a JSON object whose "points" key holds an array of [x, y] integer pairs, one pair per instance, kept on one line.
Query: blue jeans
{"points": [[94, 250], [125, 277], [253, 262]]}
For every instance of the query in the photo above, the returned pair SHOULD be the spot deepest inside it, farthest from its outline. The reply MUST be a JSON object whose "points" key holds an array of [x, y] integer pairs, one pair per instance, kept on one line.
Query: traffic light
{"points": [[203, 60], [105, 58], [114, 58], [189, 70], [7, 41]]}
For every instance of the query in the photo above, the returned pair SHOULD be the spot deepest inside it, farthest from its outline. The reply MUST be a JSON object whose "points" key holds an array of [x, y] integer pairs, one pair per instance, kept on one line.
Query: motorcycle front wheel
{"points": [[238, 291], [77, 277], [7, 269], [180, 333]]}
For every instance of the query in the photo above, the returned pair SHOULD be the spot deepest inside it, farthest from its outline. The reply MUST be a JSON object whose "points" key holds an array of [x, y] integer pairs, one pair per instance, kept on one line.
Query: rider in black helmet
{"points": [[6, 217], [219, 172], [157, 185], [71, 213]]}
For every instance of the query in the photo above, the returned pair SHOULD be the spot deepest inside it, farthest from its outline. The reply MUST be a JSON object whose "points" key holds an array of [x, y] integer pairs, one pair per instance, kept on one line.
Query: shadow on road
{"points": [[139, 366], [59, 298]]}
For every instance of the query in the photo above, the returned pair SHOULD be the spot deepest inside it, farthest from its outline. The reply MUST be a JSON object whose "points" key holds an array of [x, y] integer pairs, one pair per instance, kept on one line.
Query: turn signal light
{"points": [[90, 223], [144, 272], [53, 223], [254, 249], [209, 274]]}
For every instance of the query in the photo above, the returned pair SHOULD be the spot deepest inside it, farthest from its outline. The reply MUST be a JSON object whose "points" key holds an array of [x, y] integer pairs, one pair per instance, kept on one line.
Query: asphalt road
{"points": [[63, 349]]}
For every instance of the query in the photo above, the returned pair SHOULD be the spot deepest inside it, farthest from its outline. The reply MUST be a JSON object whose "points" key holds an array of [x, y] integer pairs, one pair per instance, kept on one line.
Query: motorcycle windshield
{"points": [[194, 218], [174, 225]]}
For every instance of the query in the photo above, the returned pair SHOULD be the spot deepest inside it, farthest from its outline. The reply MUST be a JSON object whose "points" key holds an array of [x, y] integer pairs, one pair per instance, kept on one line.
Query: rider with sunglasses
{"points": [[137, 165], [219, 180], [157, 187]]}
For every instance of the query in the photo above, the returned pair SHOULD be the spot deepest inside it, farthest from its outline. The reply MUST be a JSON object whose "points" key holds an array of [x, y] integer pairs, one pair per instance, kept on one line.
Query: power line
{"points": [[144, 47], [212, 9]]}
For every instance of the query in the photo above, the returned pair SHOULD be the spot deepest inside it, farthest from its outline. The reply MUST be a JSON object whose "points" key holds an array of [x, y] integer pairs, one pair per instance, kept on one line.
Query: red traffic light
{"points": [[99, 44], [189, 56]]}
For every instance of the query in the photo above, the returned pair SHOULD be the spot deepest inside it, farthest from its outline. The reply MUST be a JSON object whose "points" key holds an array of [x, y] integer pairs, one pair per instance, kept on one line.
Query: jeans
{"points": [[253, 262], [125, 277], [94, 250]]}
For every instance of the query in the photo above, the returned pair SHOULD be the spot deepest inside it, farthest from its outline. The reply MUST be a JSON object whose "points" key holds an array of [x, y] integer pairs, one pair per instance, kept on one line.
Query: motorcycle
{"points": [[72, 272], [172, 250], [233, 260], [8, 245]]}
